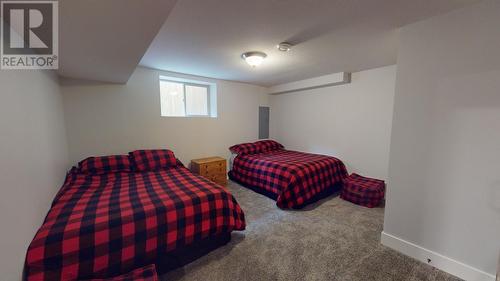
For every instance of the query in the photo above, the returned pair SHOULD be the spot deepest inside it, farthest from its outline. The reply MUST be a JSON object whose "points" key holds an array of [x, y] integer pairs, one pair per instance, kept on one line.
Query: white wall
{"points": [[351, 122], [444, 172], [33, 159], [106, 119]]}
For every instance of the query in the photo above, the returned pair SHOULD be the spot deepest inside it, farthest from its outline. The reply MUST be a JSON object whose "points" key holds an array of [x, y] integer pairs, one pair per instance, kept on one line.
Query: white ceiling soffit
{"points": [[104, 40], [207, 37], [334, 79]]}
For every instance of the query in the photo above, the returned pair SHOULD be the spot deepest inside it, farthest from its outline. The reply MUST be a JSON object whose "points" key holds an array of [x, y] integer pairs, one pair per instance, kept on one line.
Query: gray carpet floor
{"points": [[329, 240]]}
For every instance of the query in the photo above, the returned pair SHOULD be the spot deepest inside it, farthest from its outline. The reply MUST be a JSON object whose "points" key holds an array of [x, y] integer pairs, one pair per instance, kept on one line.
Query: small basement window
{"points": [[187, 98]]}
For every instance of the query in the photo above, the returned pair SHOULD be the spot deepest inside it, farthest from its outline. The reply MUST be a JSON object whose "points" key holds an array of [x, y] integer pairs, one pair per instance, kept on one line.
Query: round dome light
{"points": [[254, 58]]}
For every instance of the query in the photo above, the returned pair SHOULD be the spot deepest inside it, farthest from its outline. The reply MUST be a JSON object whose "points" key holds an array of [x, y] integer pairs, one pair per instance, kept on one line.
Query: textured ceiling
{"points": [[207, 37]]}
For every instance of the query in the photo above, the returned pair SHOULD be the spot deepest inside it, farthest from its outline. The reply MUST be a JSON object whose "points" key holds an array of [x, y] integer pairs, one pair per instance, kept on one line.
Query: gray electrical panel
{"points": [[263, 122]]}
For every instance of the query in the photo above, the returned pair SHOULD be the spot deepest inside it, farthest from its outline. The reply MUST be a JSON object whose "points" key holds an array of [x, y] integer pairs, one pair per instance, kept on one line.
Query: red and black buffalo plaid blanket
{"points": [[292, 177], [105, 225]]}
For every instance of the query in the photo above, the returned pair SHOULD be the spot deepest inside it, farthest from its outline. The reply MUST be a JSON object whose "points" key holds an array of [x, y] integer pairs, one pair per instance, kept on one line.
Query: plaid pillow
{"points": [[152, 160], [105, 164], [146, 273], [245, 148], [268, 145]]}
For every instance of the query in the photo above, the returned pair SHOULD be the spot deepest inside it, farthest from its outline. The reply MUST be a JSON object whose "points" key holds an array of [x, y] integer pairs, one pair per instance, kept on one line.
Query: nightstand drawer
{"points": [[213, 168]]}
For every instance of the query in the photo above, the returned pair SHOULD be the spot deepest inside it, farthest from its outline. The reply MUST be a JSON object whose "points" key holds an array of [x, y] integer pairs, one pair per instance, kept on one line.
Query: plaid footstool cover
{"points": [[146, 273], [363, 191]]}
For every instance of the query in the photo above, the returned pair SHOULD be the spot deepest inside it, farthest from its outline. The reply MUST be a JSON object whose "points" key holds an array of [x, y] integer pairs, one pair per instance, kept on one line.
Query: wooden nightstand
{"points": [[212, 168]]}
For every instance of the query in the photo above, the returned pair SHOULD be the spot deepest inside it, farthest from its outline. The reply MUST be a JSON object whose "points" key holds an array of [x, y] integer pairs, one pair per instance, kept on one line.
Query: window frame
{"points": [[209, 113]]}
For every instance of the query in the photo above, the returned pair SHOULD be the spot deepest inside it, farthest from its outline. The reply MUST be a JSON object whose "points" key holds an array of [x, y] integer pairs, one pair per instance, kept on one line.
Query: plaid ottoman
{"points": [[146, 273], [363, 191]]}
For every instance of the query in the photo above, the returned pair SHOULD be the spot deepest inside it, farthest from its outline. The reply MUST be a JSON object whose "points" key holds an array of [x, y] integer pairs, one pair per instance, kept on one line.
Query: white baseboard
{"points": [[439, 261]]}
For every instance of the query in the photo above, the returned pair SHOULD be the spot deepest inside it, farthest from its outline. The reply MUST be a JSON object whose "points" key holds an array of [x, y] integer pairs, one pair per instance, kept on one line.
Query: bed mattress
{"points": [[105, 225], [292, 177]]}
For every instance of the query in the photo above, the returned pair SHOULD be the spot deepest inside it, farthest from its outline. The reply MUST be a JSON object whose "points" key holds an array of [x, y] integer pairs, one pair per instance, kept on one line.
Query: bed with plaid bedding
{"points": [[292, 178], [100, 226]]}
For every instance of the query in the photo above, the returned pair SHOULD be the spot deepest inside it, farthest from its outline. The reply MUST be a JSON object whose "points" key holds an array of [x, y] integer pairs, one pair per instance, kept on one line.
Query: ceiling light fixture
{"points": [[254, 58], [284, 46]]}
